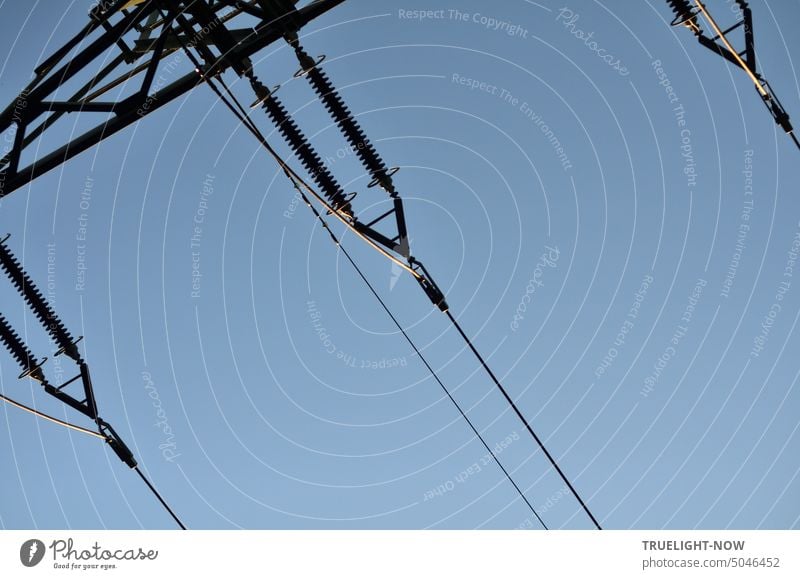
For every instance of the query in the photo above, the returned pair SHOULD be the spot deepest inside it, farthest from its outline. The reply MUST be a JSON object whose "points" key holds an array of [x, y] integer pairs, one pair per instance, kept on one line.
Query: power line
{"points": [[33, 369], [159, 497], [250, 125], [419, 354], [296, 181], [82, 430], [523, 419]]}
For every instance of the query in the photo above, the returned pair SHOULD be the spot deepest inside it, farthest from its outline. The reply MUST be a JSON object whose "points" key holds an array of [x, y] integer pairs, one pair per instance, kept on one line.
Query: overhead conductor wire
{"points": [[524, 420], [377, 168], [297, 182], [99, 435], [33, 368]]}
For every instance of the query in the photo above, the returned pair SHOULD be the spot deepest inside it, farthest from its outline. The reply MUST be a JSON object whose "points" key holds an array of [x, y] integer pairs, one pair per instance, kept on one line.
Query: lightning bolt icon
{"points": [[34, 549]]}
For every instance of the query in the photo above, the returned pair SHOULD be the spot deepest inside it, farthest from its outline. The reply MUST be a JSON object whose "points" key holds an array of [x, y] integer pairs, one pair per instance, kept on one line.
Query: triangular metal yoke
{"points": [[388, 229], [83, 402], [689, 13]]}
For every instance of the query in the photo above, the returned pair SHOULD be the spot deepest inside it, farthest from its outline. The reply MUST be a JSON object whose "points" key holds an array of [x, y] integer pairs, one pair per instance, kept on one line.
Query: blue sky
{"points": [[621, 254]]}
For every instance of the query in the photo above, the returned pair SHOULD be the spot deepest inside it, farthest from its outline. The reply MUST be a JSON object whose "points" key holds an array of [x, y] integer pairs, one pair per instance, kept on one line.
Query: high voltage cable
{"points": [[372, 161], [523, 419], [419, 354], [83, 430], [296, 181], [254, 129], [33, 369], [159, 497]]}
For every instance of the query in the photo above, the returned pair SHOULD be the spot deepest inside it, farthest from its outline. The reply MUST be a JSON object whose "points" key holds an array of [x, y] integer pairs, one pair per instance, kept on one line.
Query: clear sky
{"points": [[620, 251]]}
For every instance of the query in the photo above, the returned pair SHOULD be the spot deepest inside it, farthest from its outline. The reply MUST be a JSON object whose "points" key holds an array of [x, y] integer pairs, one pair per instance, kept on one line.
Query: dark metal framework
{"points": [[141, 37], [128, 40], [68, 346], [135, 36]]}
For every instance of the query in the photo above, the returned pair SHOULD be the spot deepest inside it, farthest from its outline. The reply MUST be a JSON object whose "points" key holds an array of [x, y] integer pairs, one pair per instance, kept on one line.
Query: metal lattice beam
{"points": [[142, 38]]}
